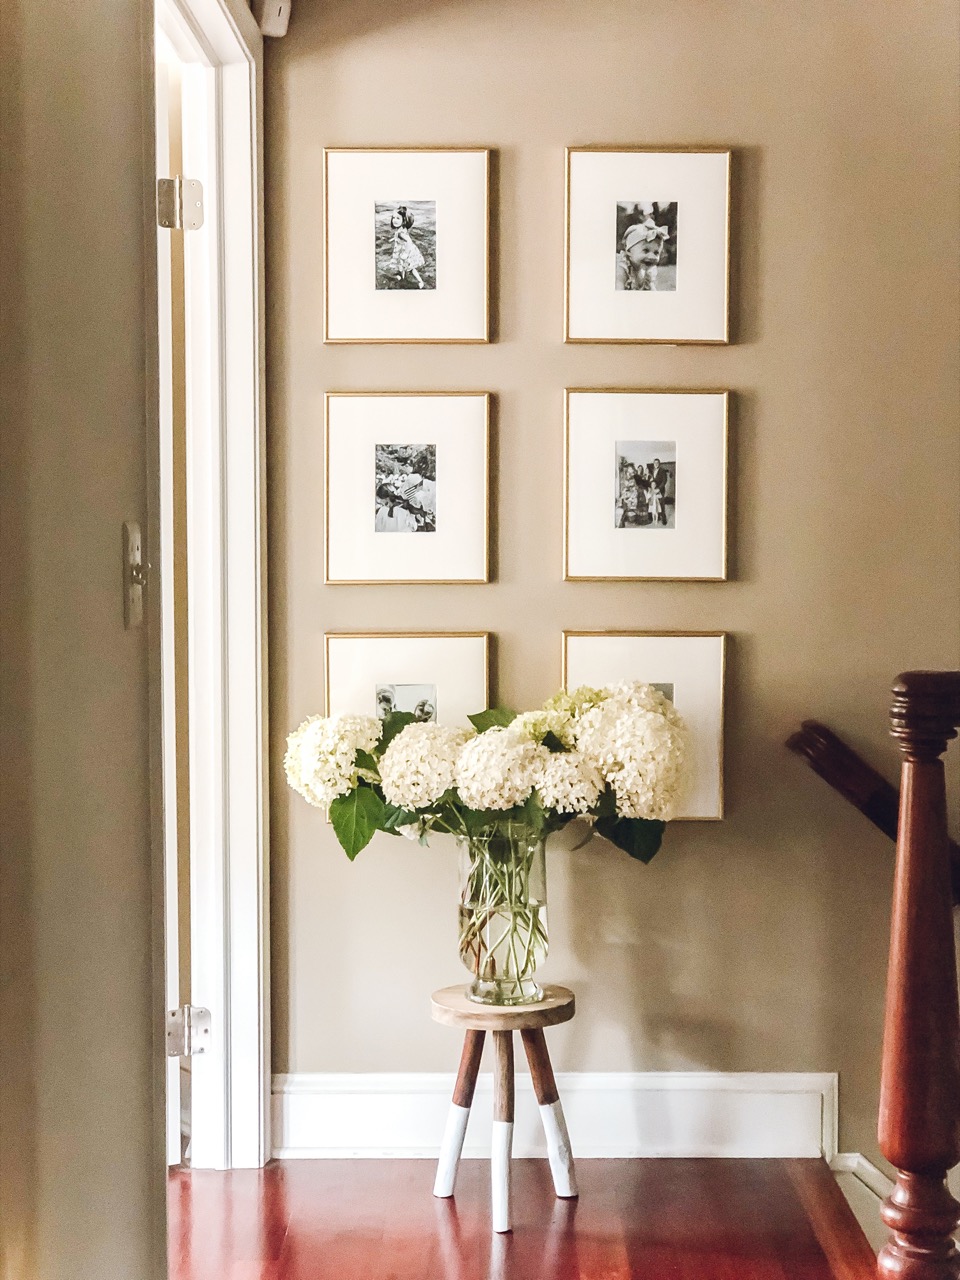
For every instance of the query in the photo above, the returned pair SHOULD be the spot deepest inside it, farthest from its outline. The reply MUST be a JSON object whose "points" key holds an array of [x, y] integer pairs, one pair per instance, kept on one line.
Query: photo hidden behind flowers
{"points": [[405, 244], [646, 249], [420, 700]]}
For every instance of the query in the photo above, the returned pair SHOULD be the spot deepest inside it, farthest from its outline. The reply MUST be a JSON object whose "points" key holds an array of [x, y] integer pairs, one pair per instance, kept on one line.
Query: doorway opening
{"points": [[210, 530]]}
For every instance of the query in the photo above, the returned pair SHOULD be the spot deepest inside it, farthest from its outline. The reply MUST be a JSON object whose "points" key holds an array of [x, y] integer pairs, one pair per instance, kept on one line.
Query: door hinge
{"points": [[180, 203], [188, 1031], [134, 575]]}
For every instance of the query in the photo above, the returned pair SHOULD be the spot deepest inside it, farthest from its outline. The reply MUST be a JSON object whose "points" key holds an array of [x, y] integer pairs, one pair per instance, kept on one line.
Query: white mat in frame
{"points": [[360, 428], [608, 429], [689, 301], [441, 675], [692, 662], [359, 184]]}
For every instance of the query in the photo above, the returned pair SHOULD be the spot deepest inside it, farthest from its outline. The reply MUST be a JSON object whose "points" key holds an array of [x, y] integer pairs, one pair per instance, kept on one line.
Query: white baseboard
{"points": [[609, 1114], [865, 1188], [853, 1162]]}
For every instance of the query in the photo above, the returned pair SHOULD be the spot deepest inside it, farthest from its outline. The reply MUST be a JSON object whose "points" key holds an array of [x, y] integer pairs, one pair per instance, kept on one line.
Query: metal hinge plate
{"points": [[180, 203], [188, 1031], [134, 575]]}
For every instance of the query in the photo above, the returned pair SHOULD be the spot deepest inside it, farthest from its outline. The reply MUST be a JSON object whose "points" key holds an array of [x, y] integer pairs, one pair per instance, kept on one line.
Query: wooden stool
{"points": [[452, 1007]]}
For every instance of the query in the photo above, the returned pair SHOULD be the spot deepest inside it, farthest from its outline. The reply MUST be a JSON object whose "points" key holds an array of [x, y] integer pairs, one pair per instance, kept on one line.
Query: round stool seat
{"points": [[453, 1007]]}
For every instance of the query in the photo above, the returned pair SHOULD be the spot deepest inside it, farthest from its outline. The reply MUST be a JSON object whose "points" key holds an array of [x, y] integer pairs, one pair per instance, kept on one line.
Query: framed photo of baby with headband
{"points": [[406, 245], [647, 244]]}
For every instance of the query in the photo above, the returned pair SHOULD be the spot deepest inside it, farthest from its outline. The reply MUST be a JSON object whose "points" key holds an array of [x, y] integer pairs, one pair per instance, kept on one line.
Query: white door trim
{"points": [[226, 569]]}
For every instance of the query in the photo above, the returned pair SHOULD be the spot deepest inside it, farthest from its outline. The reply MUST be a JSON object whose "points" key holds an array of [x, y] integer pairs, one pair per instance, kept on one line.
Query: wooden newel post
{"points": [[919, 1130]]}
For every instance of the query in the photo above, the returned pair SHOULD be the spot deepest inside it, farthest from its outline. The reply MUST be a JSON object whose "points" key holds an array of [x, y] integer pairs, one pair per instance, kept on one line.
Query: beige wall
{"points": [[758, 943], [81, 1190]]}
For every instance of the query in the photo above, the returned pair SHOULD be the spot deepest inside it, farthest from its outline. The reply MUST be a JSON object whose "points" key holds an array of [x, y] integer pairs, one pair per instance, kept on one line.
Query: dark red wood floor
{"points": [[635, 1220]]}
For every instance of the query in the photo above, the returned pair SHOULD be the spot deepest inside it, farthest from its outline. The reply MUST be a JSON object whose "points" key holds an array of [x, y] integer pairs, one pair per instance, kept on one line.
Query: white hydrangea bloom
{"points": [[575, 701], [568, 781], [419, 764], [535, 725], [637, 740], [496, 770], [320, 761]]}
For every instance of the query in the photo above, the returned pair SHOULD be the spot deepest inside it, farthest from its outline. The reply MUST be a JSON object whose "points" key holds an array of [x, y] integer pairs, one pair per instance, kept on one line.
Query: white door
{"points": [[208, 77]]}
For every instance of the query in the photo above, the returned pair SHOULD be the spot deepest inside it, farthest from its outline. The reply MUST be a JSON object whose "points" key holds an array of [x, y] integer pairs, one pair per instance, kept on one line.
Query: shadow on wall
{"points": [[327, 25]]}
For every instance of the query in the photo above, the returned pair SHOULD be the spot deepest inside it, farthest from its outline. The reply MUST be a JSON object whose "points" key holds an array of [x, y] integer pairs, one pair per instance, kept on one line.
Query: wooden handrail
{"points": [[850, 775], [919, 1130]]}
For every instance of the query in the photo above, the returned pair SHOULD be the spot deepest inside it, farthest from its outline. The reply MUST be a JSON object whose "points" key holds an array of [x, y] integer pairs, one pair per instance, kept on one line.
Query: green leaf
{"points": [[493, 718], [396, 817], [531, 812], [640, 837], [392, 724], [364, 760], [356, 817]]}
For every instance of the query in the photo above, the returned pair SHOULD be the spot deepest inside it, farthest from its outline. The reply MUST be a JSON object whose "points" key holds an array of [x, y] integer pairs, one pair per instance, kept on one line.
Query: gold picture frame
{"points": [[414, 652], [471, 543], [590, 292], [706, 724], [689, 545], [465, 222]]}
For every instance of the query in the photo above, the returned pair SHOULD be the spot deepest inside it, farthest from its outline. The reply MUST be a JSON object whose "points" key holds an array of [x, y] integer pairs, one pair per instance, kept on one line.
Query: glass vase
{"points": [[503, 913]]}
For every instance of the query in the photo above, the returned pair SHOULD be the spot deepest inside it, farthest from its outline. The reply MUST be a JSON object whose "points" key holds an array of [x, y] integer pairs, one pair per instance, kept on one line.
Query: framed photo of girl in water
{"points": [[406, 245], [647, 244], [645, 485], [406, 487]]}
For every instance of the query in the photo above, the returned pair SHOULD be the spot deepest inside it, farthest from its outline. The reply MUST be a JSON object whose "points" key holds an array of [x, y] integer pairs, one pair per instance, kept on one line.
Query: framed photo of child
{"points": [[688, 668], [406, 487], [647, 244], [406, 245], [645, 485]]}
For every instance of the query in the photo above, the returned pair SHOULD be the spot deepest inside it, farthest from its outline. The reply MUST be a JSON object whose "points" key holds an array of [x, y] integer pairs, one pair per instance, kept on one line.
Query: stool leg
{"points": [[551, 1113], [459, 1114], [502, 1146]]}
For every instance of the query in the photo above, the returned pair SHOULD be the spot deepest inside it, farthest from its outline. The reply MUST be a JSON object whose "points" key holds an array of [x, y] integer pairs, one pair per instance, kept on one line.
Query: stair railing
{"points": [[919, 1129]]}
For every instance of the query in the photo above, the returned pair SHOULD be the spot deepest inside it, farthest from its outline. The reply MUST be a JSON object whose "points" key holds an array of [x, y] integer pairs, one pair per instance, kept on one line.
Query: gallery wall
{"points": [[756, 943]]}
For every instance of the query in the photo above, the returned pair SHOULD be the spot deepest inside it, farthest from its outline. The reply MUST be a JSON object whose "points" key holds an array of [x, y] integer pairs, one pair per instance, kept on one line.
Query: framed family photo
{"points": [[437, 676], [407, 487], [688, 668], [406, 245], [647, 244], [645, 485]]}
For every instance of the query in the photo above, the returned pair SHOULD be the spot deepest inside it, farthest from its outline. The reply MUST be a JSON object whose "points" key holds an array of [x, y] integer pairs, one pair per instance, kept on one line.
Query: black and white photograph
{"points": [[405, 488], [636, 271], [645, 484], [437, 676], [401, 465], [405, 244], [418, 699], [646, 246], [688, 668]]}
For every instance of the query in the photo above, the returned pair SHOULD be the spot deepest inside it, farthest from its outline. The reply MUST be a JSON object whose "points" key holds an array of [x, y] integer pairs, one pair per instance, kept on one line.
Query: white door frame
{"points": [[226, 570]]}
